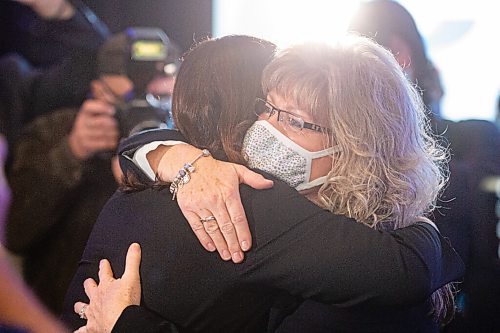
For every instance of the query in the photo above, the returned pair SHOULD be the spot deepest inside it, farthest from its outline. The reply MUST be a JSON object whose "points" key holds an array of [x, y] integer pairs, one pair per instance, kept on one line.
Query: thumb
{"points": [[252, 179], [132, 263]]}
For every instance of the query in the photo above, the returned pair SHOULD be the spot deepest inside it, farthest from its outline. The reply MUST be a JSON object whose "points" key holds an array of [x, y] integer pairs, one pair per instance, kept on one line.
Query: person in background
{"points": [[497, 118], [62, 173], [47, 58], [20, 311], [298, 247], [466, 214]]}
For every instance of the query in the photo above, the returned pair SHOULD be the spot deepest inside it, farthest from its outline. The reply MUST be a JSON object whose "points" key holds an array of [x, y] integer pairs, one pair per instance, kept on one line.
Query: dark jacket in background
{"points": [[468, 218], [56, 201], [44, 65]]}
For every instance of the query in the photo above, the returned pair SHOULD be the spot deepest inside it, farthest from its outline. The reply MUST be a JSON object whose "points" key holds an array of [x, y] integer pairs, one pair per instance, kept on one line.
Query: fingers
{"points": [[208, 233], [96, 107], [105, 271], [226, 227], [235, 209], [78, 307], [89, 285], [252, 179], [229, 232], [132, 263], [239, 220], [199, 230], [101, 123], [213, 231], [95, 119], [220, 229], [99, 126], [95, 129]]}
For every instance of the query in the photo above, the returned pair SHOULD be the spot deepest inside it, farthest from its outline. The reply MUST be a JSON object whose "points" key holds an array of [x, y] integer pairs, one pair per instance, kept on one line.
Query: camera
{"points": [[142, 55]]}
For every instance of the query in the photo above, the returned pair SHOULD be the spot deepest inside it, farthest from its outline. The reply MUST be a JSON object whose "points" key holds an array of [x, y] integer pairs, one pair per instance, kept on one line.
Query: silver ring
{"points": [[82, 312], [208, 218]]}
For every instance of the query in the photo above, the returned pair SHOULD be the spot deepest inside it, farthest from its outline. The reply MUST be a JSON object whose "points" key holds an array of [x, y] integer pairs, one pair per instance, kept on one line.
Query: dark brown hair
{"points": [[383, 19], [214, 97], [215, 91]]}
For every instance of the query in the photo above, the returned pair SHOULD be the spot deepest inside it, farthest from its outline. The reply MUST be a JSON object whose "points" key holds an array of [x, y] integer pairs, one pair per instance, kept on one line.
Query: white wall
{"points": [[462, 39]]}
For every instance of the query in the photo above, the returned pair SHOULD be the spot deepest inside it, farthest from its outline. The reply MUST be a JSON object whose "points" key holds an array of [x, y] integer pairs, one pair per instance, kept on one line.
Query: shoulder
{"points": [[138, 204], [282, 211], [280, 200], [138, 140]]}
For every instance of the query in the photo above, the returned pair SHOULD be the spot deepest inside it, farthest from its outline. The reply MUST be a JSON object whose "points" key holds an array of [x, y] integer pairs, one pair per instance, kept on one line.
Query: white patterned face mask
{"points": [[271, 151]]}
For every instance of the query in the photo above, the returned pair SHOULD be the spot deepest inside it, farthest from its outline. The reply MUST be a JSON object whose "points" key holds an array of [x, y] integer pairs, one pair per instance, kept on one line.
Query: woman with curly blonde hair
{"points": [[389, 169]]}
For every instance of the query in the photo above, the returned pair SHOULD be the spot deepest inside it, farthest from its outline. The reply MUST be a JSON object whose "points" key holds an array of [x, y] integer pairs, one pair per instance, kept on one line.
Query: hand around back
{"points": [[111, 296]]}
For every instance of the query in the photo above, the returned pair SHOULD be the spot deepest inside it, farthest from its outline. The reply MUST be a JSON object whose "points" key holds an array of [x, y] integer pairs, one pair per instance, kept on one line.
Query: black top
{"points": [[468, 217], [298, 248]]}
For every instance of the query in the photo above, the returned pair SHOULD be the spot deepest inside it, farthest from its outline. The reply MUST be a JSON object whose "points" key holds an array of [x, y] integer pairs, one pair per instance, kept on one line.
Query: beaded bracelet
{"points": [[184, 175]]}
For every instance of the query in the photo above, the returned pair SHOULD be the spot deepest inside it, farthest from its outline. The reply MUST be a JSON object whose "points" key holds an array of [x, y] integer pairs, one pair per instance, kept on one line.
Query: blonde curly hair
{"points": [[390, 169]]}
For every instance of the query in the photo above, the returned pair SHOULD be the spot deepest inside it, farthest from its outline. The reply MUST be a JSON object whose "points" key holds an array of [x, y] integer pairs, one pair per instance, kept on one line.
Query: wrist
{"points": [[155, 158], [184, 175], [173, 159]]}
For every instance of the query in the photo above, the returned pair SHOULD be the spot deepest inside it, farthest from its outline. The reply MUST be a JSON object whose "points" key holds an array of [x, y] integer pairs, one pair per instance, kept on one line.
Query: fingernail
{"points": [[211, 247], [244, 245], [226, 255], [237, 256], [101, 263]]}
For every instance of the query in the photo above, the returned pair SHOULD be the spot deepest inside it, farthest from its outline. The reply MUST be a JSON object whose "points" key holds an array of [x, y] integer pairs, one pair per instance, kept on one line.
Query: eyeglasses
{"points": [[288, 119]]}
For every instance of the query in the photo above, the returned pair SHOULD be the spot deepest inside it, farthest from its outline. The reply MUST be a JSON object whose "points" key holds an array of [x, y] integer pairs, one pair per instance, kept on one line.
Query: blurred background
{"points": [[460, 35]]}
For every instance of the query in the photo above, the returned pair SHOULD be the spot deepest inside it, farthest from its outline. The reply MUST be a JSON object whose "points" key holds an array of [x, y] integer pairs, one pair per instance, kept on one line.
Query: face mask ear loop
{"points": [[305, 186]]}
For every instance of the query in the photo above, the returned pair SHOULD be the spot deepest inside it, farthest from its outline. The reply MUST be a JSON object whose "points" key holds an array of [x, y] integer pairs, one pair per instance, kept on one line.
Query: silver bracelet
{"points": [[184, 175]]}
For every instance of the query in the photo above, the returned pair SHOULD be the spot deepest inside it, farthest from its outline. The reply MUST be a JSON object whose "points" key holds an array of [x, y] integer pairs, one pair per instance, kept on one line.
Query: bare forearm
{"points": [[167, 160], [18, 306]]}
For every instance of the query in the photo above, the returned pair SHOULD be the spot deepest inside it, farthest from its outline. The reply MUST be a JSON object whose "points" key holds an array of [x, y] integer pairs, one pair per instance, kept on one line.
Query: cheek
{"points": [[311, 141], [320, 167]]}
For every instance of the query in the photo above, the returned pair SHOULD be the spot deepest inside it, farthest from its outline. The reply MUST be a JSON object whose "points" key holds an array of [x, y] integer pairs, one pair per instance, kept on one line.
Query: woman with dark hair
{"points": [[393, 27], [301, 250]]}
